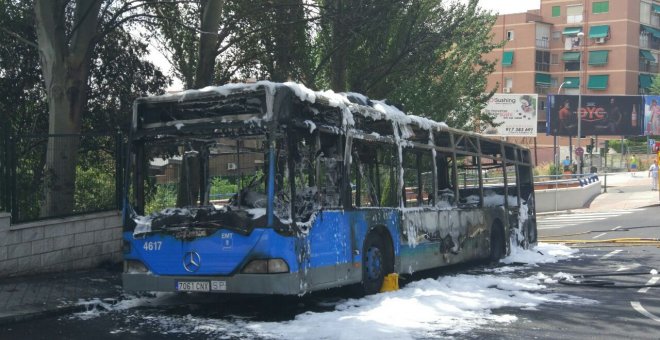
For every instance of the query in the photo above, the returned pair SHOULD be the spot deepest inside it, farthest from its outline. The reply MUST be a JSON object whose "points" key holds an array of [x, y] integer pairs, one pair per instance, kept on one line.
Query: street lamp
{"points": [[579, 108], [568, 82]]}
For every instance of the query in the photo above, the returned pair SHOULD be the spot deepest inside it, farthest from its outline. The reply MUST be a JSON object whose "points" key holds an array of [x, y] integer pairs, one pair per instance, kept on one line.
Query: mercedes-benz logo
{"points": [[191, 261]]}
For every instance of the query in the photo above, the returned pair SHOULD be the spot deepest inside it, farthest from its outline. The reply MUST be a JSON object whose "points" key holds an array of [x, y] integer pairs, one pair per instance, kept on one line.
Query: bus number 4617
{"points": [[148, 246]]}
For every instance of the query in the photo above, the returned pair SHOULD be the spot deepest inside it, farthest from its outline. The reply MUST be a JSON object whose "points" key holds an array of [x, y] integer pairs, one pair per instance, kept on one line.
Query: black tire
{"points": [[377, 262], [532, 232], [497, 242]]}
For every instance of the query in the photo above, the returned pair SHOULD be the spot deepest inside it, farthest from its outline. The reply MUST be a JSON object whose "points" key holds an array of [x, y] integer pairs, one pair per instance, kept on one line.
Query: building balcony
{"points": [[543, 43], [647, 67]]}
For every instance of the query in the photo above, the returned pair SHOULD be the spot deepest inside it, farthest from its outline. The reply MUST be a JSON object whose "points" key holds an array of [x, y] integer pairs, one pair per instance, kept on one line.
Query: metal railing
{"points": [[35, 185]]}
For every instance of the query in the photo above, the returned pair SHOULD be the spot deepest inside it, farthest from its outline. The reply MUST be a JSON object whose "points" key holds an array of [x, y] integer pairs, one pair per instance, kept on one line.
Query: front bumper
{"points": [[275, 284]]}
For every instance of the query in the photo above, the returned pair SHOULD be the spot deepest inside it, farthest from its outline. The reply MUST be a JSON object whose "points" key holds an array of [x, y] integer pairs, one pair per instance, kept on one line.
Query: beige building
{"points": [[593, 47]]}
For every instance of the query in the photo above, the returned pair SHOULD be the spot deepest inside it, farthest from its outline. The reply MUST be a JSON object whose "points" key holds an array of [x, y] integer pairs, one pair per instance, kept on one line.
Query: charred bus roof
{"points": [[252, 107]]}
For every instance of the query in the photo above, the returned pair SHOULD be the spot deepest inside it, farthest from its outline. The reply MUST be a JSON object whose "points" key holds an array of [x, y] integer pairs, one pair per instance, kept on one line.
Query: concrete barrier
{"points": [[566, 198]]}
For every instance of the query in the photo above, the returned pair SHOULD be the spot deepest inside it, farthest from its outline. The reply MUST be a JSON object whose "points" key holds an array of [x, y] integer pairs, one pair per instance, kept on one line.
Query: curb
{"points": [[26, 315]]}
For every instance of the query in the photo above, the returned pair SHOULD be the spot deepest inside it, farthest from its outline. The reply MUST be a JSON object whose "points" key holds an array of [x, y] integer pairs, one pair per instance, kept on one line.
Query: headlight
{"points": [[277, 266], [134, 267], [269, 266]]}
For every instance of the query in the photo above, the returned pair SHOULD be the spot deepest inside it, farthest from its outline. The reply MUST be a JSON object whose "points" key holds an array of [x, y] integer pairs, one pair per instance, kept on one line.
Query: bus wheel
{"points": [[376, 263], [497, 242]]}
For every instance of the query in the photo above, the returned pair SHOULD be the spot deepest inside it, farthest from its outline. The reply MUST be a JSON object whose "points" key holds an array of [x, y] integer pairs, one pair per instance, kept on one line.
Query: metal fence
{"points": [[84, 181], [5, 196]]}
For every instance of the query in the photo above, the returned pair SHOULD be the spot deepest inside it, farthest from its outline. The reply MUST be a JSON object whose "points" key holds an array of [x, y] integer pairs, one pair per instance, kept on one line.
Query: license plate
{"points": [[218, 285], [193, 286]]}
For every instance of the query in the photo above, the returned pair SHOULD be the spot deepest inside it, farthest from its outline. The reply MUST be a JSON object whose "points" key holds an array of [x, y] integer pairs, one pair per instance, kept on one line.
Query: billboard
{"points": [[652, 115], [600, 115], [513, 115]]}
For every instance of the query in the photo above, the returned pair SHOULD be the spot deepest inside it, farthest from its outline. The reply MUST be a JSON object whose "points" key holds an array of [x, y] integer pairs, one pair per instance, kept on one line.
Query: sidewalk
{"points": [[625, 192], [23, 298]]}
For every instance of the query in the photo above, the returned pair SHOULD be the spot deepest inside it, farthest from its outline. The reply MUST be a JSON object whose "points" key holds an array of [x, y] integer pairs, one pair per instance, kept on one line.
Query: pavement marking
{"points": [[615, 228], [570, 221], [575, 218], [612, 253], [632, 266], [638, 307], [652, 281], [599, 235], [604, 214], [544, 228]]}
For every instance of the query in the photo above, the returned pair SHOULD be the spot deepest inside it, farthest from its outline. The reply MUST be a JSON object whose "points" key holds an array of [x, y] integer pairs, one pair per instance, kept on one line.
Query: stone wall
{"points": [[62, 244]]}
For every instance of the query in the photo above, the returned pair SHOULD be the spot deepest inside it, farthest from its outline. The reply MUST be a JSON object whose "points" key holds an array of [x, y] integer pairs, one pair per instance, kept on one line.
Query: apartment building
{"points": [[577, 46]]}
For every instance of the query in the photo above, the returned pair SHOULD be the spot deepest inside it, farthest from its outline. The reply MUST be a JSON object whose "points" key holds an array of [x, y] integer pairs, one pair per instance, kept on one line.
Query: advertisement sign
{"points": [[600, 115], [514, 115], [652, 115]]}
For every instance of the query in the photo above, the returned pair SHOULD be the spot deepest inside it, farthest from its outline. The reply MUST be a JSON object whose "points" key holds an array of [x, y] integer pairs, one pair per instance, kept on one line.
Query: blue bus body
{"points": [[333, 247]]}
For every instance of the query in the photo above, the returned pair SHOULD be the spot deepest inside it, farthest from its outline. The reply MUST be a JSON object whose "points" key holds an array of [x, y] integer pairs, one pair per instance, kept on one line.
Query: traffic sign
{"points": [[579, 151]]}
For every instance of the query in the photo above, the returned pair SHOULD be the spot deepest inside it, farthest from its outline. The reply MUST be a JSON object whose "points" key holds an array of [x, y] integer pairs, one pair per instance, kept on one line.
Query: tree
{"points": [[118, 74], [65, 52], [457, 72], [189, 33], [22, 104], [405, 50], [195, 45], [410, 52], [67, 33]]}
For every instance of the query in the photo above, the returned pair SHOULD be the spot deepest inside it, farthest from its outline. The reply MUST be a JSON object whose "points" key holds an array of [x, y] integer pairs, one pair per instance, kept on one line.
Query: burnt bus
{"points": [[272, 188]]}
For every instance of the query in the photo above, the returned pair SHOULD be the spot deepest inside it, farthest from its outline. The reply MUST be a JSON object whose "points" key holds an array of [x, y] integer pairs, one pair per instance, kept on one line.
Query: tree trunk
{"points": [[65, 67], [189, 174], [339, 35], [211, 11], [283, 39]]}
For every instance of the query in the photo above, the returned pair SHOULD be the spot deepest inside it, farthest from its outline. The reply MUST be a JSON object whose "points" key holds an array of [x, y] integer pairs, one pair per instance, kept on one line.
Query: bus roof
{"points": [[206, 104]]}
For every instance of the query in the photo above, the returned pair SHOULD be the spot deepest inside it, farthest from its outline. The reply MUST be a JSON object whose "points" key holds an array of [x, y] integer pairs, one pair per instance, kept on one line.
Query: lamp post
{"points": [[568, 82], [579, 108]]}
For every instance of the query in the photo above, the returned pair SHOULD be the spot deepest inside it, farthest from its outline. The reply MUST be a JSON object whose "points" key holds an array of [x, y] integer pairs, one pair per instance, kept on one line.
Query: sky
{"points": [[447, 306], [508, 6]]}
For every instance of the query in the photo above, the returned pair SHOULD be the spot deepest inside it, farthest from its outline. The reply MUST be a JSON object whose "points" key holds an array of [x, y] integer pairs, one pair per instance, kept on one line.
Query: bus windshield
{"points": [[202, 181]]}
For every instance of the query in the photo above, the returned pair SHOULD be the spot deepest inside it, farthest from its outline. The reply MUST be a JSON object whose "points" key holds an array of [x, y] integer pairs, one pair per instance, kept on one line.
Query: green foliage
{"points": [[29, 172], [547, 169], [412, 51], [161, 196], [120, 75], [615, 144], [408, 51], [458, 72], [176, 23], [424, 55], [22, 97], [655, 85], [95, 187], [222, 187]]}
